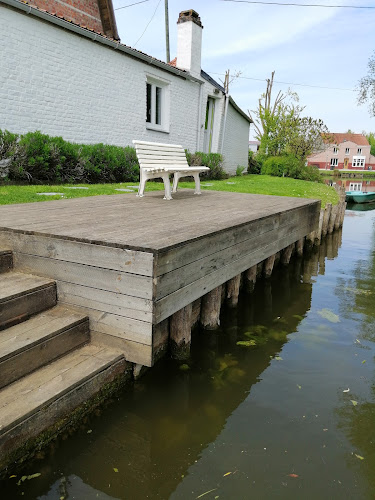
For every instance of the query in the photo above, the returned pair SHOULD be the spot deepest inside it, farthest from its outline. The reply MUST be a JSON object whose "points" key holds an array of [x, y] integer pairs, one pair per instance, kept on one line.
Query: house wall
{"points": [[99, 96], [235, 148], [323, 158], [84, 12]]}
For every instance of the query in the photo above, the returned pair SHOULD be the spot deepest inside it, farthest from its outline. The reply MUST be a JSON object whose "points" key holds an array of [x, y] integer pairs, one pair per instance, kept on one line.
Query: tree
{"points": [[366, 86], [371, 139], [280, 127]]}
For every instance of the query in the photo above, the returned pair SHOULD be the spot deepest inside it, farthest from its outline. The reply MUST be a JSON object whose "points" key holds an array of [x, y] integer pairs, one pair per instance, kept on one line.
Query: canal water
{"points": [[288, 415]]}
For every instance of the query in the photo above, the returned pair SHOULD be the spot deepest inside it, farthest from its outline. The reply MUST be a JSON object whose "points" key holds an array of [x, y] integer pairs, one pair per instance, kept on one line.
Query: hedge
{"points": [[37, 158]]}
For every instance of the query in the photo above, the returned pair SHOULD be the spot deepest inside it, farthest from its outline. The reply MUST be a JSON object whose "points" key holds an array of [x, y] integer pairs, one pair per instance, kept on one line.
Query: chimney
{"points": [[189, 42]]}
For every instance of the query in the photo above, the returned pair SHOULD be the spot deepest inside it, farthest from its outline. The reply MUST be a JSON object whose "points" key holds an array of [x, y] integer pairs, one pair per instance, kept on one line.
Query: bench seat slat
{"points": [[161, 154], [153, 145]]}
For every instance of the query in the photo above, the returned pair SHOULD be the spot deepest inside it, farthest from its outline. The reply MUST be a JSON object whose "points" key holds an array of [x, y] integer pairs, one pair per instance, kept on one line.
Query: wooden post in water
{"points": [[250, 278], [268, 266], [196, 311], [210, 309], [332, 219], [180, 333], [260, 268], [286, 254], [326, 216], [299, 247], [233, 290]]}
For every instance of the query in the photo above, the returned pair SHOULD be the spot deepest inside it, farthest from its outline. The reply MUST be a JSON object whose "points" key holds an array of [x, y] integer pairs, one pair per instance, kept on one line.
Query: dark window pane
{"points": [[158, 106], [148, 103]]}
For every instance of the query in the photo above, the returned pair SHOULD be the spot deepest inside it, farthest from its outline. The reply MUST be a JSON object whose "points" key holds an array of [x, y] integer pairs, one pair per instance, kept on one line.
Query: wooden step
{"points": [[23, 295], [39, 340], [46, 396], [6, 260]]}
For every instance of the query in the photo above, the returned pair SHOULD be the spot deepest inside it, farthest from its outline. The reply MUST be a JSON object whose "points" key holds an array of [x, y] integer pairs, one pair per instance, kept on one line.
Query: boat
{"points": [[359, 196]]}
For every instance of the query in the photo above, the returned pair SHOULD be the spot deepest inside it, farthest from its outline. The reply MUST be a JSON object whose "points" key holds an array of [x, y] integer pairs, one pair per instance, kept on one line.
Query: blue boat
{"points": [[359, 197]]}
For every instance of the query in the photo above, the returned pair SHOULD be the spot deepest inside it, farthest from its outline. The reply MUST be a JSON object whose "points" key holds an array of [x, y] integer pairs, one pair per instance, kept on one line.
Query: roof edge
{"points": [[240, 111]]}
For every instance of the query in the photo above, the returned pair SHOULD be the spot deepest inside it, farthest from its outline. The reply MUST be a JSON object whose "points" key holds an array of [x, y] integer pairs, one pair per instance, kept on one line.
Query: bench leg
{"points": [[167, 186], [197, 184], [141, 188], [176, 178]]}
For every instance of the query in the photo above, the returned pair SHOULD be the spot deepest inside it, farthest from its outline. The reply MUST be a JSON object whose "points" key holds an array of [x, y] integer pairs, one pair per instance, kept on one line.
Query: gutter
{"points": [[96, 37]]}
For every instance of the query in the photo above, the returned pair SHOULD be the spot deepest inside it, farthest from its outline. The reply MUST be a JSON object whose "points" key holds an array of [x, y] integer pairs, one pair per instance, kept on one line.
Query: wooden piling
{"points": [[180, 333], [260, 268], [326, 216], [250, 278], [299, 247], [318, 232], [332, 219], [233, 290], [277, 258], [196, 311], [268, 266], [286, 254], [210, 309]]}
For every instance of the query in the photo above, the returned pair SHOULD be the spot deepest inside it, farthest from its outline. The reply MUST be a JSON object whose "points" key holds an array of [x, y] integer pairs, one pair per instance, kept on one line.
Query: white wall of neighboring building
{"points": [[235, 148]]}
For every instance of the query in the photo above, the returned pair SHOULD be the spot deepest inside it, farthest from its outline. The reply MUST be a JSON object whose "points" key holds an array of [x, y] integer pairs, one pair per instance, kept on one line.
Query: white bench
{"points": [[160, 160]]}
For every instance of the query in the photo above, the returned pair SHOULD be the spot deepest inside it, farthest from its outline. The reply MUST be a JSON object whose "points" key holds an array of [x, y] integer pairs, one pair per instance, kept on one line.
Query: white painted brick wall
{"points": [[235, 149]]}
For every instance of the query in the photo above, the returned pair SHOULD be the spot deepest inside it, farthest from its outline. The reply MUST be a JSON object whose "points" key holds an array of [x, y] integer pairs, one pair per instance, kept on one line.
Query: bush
{"points": [[8, 143], [254, 165], [212, 160], [290, 166], [239, 170]]}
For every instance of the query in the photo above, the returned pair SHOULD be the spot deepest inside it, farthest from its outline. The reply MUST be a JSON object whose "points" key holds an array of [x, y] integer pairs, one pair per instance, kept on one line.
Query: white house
{"points": [[81, 83]]}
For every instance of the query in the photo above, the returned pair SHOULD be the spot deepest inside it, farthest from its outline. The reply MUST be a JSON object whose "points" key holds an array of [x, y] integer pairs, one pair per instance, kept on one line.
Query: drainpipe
{"points": [[225, 122], [199, 125]]}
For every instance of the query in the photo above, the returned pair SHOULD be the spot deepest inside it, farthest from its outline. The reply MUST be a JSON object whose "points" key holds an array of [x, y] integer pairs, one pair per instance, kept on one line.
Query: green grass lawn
{"points": [[257, 184]]}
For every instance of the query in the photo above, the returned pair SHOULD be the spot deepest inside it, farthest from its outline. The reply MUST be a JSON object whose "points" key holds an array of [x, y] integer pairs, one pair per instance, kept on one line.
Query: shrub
{"points": [[212, 160], [254, 165], [8, 143], [290, 166], [239, 170]]}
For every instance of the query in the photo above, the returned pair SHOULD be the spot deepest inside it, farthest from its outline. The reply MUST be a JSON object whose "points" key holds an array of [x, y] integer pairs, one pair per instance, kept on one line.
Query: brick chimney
{"points": [[189, 42]]}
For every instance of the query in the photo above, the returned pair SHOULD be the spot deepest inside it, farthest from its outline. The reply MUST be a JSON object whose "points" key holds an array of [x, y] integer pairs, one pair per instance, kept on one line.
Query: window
{"points": [[157, 105], [334, 162], [347, 151], [355, 186], [335, 150], [358, 161], [359, 151]]}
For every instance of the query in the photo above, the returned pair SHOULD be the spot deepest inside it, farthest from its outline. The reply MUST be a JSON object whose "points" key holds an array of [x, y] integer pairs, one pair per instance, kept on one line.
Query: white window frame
{"points": [[359, 151], [359, 162], [334, 162], [335, 150], [355, 186], [347, 151], [164, 86]]}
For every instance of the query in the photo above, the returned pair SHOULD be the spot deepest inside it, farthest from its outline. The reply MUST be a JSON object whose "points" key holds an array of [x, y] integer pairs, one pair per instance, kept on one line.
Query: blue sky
{"points": [[327, 47]]}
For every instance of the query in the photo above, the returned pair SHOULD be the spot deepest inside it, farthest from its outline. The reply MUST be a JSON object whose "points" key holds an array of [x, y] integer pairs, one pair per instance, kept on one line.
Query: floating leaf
{"points": [[358, 342], [299, 386], [10, 477], [354, 402], [89, 431], [346, 390], [227, 474], [115, 469], [247, 343], [184, 367], [279, 358], [359, 456], [325, 430], [293, 475], [329, 315], [206, 493], [32, 476], [364, 361]]}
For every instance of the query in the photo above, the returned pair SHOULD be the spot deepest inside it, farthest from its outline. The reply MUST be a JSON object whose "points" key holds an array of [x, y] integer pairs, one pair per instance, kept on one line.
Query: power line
{"points": [[148, 24], [288, 4], [131, 4], [288, 83]]}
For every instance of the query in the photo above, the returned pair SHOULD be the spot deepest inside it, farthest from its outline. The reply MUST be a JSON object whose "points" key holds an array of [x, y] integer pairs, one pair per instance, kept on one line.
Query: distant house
{"points": [[345, 152], [65, 72], [254, 146]]}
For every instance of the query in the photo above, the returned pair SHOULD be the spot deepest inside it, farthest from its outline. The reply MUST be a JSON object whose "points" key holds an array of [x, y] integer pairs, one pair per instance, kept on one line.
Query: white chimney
{"points": [[189, 42]]}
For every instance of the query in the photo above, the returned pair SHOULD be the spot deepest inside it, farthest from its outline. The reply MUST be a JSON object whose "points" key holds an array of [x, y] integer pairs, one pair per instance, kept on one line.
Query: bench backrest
{"points": [[155, 154]]}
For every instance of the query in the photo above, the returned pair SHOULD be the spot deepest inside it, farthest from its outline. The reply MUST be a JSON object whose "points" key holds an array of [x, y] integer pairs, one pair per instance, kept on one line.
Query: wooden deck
{"points": [[131, 263]]}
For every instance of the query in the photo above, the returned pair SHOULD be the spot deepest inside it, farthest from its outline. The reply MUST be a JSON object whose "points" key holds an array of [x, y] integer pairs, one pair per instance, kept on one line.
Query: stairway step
{"points": [[6, 260], [41, 399], [23, 295], [39, 340]]}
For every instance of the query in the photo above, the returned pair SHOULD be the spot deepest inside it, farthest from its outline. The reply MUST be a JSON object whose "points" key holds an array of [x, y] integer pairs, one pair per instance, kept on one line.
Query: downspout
{"points": [[225, 122], [199, 125]]}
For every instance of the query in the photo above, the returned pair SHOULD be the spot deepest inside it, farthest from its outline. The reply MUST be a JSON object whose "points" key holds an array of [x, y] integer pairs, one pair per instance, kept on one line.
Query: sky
{"points": [[321, 47]]}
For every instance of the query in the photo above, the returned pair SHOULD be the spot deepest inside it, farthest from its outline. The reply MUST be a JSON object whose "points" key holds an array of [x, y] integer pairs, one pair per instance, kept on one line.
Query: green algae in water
{"points": [[247, 343]]}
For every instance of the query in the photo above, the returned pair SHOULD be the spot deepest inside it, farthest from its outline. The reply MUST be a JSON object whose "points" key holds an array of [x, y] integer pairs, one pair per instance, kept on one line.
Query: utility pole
{"points": [[167, 31]]}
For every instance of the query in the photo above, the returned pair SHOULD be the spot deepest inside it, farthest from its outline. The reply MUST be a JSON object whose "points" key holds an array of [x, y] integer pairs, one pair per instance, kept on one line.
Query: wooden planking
{"points": [[182, 255], [81, 274], [182, 276], [133, 351], [6, 260], [147, 153], [117, 259], [168, 305], [13, 285], [102, 300]]}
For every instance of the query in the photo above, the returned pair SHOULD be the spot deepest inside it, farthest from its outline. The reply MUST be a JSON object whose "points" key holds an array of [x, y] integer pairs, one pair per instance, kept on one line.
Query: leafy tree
{"points": [[366, 86], [371, 139], [282, 130]]}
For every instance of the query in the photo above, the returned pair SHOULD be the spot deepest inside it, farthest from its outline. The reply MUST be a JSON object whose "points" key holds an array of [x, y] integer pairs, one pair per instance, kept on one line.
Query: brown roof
{"points": [[173, 62], [358, 139]]}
